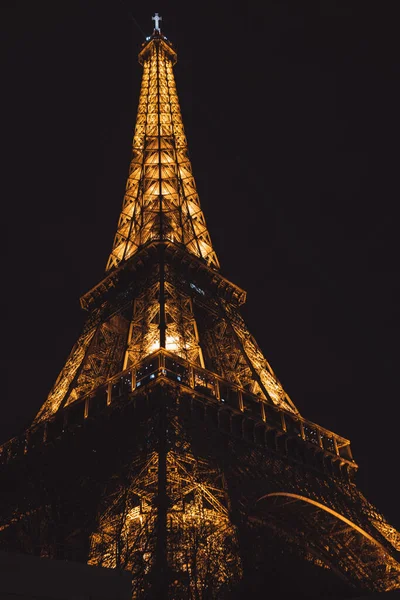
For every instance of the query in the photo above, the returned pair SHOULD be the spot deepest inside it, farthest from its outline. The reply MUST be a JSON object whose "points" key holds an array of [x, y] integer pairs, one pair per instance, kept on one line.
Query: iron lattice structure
{"points": [[167, 445]]}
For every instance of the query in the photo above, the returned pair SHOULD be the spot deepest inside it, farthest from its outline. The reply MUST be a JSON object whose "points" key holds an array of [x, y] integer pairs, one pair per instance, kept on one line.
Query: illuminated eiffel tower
{"points": [[167, 446]]}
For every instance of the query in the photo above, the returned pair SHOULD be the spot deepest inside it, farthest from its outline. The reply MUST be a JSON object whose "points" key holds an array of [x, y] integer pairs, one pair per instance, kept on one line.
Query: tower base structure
{"points": [[191, 495]]}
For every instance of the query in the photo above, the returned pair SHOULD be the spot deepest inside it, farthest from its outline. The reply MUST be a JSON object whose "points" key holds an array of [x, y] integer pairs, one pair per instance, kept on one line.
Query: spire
{"points": [[161, 201]]}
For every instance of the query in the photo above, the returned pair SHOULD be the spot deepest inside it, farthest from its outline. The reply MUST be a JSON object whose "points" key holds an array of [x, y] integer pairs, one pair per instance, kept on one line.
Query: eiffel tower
{"points": [[167, 445]]}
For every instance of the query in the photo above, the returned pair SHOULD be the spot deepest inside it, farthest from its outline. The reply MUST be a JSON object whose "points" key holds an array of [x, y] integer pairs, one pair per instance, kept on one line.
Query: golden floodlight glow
{"points": [[211, 447], [161, 193], [202, 542]]}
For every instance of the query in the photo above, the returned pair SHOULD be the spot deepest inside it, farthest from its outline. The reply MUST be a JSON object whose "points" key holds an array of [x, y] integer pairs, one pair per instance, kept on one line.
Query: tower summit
{"points": [[167, 445], [161, 201], [156, 20]]}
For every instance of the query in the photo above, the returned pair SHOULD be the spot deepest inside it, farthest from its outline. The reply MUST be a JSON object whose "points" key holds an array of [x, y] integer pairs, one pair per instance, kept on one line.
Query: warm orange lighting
{"points": [[154, 346], [231, 431], [160, 164], [202, 541], [172, 343]]}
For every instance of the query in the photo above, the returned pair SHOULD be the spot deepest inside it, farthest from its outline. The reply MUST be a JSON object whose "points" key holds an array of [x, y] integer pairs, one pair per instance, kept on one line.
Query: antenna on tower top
{"points": [[156, 20]]}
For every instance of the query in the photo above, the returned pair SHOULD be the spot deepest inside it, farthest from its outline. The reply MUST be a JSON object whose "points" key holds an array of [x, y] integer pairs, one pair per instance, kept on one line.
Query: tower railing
{"points": [[202, 383]]}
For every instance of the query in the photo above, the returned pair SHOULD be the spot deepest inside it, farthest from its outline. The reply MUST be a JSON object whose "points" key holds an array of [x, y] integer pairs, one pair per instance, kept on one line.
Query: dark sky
{"points": [[291, 111]]}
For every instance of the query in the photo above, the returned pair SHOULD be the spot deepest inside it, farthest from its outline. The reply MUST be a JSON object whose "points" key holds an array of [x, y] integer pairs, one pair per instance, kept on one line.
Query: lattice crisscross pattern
{"points": [[161, 200]]}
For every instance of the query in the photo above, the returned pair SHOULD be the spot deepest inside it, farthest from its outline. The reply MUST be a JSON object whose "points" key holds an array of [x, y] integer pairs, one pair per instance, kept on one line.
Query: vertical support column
{"points": [[160, 575], [240, 397], [126, 357], [133, 379], [319, 439], [335, 444], [283, 422], [191, 377], [163, 324], [161, 364]]}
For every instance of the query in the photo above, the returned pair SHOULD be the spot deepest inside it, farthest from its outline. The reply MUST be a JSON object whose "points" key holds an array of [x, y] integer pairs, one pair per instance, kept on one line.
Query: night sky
{"points": [[291, 110]]}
